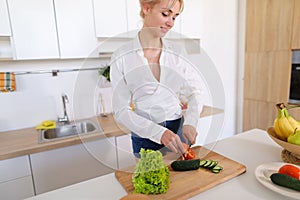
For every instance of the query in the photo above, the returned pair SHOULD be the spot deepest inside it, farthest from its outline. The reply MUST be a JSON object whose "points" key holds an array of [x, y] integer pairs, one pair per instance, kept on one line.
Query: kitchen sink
{"points": [[69, 130]]}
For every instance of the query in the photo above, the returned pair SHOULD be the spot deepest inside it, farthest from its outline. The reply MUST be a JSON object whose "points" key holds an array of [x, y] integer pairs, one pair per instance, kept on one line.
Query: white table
{"points": [[251, 148]]}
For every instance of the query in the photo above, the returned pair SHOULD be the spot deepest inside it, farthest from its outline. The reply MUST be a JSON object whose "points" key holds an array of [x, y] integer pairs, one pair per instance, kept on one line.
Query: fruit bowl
{"points": [[293, 148]]}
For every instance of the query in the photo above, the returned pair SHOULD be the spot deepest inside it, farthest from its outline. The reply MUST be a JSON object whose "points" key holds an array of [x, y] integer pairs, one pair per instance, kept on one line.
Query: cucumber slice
{"points": [[202, 163], [215, 171], [213, 164], [218, 167], [207, 164]]}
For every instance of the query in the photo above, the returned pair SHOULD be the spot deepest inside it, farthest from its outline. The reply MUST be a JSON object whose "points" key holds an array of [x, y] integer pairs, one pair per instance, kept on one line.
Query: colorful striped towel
{"points": [[7, 82]]}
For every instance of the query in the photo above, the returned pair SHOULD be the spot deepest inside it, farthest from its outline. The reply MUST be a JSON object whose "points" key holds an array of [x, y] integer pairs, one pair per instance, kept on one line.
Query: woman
{"points": [[151, 74]]}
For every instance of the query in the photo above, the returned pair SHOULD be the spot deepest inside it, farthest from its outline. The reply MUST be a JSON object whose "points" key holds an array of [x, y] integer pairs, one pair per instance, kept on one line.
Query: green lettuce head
{"points": [[151, 175]]}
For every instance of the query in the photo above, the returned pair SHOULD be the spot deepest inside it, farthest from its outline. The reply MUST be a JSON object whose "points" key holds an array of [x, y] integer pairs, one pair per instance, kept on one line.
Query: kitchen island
{"points": [[251, 148]]}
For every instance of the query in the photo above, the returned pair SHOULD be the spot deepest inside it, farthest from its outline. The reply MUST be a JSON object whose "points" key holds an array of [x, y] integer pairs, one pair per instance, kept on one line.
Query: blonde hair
{"points": [[154, 2]]}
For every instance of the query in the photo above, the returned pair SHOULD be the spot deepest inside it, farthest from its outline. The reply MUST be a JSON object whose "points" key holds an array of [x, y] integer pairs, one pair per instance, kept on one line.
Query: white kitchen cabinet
{"points": [[33, 29], [110, 18], [191, 19], [75, 28], [5, 32], [6, 51], [17, 189], [15, 178], [65, 166], [124, 149], [4, 19]]}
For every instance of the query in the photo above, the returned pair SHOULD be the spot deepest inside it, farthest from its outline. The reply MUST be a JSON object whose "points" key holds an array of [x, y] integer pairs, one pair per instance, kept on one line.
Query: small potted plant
{"points": [[105, 92], [104, 71], [104, 76]]}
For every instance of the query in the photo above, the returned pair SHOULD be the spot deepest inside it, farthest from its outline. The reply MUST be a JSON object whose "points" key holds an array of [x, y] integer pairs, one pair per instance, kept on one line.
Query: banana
{"points": [[285, 128], [277, 129], [294, 123], [282, 126]]}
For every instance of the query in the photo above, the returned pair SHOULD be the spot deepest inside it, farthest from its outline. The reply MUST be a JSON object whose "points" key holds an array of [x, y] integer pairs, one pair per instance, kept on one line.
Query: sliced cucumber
{"points": [[207, 164], [217, 169], [202, 163], [185, 165], [211, 165]]}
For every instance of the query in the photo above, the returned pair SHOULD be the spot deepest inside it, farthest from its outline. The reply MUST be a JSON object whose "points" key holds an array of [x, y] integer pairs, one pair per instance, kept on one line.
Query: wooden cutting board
{"points": [[187, 184]]}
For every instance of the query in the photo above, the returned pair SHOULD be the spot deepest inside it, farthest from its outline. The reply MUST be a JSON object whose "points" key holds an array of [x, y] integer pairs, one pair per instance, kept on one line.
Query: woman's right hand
{"points": [[172, 141]]}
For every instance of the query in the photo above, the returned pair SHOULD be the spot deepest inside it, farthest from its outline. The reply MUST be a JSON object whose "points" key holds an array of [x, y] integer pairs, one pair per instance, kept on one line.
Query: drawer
{"points": [[17, 189], [14, 168]]}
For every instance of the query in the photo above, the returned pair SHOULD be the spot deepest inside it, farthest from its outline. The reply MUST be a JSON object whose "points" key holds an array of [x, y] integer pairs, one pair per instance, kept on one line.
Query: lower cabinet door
{"points": [[125, 153], [65, 166], [17, 189]]}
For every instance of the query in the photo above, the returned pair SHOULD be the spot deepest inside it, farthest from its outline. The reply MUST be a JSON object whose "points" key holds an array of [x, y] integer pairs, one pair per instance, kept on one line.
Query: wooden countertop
{"points": [[25, 141]]}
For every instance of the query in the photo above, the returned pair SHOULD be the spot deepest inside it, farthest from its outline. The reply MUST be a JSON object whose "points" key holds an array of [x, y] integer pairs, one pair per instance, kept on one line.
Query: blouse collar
{"points": [[138, 47]]}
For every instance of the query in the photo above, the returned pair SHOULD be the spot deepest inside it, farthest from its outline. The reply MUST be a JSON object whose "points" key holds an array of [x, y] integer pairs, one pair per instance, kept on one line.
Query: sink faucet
{"points": [[65, 118]]}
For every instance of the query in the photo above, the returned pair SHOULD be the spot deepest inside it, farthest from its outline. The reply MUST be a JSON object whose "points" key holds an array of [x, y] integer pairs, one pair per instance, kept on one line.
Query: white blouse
{"points": [[154, 101]]}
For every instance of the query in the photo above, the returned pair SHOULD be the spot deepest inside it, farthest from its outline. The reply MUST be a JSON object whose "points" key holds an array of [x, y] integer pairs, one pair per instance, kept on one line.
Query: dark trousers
{"points": [[139, 142]]}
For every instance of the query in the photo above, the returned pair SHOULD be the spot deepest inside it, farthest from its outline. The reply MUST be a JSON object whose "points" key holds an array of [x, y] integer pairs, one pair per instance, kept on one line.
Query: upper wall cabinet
{"points": [[4, 19], [110, 18], [125, 20], [33, 29], [269, 25], [296, 26], [75, 28]]}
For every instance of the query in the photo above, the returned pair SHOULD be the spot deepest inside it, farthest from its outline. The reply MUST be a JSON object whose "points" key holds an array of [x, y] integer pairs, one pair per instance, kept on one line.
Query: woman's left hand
{"points": [[189, 133]]}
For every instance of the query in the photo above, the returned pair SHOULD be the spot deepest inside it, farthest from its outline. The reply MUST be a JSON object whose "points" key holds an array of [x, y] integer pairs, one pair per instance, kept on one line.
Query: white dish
{"points": [[263, 173]]}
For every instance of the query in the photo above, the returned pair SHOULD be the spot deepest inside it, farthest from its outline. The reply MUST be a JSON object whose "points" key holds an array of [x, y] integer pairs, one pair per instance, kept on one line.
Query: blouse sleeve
{"points": [[193, 92]]}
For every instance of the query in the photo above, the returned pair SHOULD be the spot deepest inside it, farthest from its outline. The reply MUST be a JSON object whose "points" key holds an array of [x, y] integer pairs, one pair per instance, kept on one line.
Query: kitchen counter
{"points": [[25, 141], [251, 148]]}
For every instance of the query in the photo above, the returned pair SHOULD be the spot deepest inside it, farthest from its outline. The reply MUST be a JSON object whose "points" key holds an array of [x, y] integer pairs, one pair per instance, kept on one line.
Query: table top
{"points": [[251, 148]]}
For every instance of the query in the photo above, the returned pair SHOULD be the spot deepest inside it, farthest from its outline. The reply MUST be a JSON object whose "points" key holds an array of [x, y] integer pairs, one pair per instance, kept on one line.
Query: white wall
{"points": [[219, 29], [241, 60], [38, 96]]}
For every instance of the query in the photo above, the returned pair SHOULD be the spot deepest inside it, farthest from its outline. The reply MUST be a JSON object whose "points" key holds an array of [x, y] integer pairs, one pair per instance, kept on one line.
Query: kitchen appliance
{"points": [[294, 95]]}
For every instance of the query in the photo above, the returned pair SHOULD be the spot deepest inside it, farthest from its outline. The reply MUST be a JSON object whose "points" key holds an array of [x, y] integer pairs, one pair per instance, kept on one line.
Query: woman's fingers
{"points": [[189, 133], [179, 145], [172, 141], [172, 147]]}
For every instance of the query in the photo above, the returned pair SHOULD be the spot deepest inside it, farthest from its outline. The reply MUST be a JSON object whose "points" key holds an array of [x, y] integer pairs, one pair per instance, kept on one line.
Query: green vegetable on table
{"points": [[151, 175], [285, 181], [186, 165]]}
